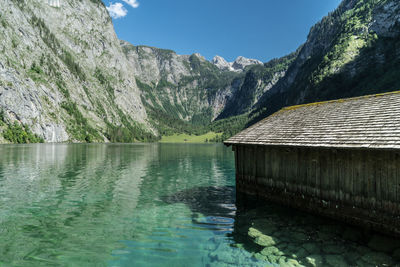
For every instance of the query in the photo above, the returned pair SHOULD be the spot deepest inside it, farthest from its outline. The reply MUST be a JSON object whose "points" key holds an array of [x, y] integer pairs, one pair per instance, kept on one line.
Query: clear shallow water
{"points": [[156, 205]]}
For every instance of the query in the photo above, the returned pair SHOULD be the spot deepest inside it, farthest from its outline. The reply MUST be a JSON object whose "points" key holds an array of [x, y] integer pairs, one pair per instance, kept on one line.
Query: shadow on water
{"points": [[210, 201], [282, 236]]}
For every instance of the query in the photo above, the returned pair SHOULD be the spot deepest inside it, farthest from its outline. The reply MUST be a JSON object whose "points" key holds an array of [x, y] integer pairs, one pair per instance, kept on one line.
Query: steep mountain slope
{"points": [[63, 74], [185, 93], [353, 51]]}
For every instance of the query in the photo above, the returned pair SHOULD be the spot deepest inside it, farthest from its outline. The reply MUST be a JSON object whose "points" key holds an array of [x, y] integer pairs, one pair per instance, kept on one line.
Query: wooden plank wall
{"points": [[366, 179]]}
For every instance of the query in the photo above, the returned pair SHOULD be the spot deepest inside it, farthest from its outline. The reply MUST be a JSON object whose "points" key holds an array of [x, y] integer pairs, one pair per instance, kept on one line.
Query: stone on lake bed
{"points": [[265, 226], [333, 249], [299, 236], [377, 259], [336, 260], [312, 248], [292, 262], [262, 239], [260, 257], [265, 241], [301, 253], [315, 260], [254, 232], [271, 251]]}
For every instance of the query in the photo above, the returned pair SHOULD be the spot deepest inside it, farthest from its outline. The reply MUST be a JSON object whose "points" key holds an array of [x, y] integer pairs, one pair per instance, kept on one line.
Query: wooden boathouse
{"points": [[337, 158]]}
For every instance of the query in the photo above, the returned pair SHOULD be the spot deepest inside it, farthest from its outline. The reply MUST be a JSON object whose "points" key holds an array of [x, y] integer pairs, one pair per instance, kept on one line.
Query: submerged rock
{"points": [[262, 239], [333, 249], [315, 260], [336, 260], [271, 251], [312, 248], [377, 258], [266, 241], [301, 253]]}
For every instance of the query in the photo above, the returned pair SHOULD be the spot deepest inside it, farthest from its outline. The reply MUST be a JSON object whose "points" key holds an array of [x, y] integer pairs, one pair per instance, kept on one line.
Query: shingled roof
{"points": [[371, 121]]}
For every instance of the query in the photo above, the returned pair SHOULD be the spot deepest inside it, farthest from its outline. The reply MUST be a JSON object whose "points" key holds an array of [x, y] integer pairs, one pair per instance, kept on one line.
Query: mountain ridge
{"points": [[61, 82]]}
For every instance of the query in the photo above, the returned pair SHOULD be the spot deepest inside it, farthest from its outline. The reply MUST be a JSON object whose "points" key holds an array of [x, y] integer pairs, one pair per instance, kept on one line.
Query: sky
{"points": [[260, 29]]}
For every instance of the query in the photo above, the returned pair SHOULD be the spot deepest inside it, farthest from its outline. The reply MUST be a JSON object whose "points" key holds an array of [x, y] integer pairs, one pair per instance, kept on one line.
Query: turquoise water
{"points": [[156, 205]]}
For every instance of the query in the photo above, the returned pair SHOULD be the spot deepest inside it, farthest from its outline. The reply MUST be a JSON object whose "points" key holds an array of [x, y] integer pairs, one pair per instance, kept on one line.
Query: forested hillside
{"points": [[65, 76]]}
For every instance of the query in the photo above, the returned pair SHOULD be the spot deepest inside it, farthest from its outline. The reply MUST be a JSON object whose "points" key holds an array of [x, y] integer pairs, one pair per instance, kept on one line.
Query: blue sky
{"points": [[261, 29]]}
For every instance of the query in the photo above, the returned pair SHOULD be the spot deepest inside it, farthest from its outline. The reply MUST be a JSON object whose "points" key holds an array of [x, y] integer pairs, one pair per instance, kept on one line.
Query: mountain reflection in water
{"points": [[156, 205]]}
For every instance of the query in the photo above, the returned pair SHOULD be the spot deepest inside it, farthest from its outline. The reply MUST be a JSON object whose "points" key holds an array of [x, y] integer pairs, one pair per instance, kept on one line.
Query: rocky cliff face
{"points": [[183, 87], [63, 72], [65, 76], [238, 65], [353, 51]]}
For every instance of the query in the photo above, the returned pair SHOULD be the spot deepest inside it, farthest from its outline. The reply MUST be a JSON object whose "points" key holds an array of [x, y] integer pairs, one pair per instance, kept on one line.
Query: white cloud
{"points": [[117, 10], [132, 3]]}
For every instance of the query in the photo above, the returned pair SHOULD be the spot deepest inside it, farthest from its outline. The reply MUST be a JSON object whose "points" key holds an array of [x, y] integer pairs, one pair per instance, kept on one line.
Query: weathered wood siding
{"points": [[358, 186]]}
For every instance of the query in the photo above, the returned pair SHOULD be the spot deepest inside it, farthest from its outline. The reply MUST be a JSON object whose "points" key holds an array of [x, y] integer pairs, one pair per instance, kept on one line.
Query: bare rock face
{"points": [[63, 72], [221, 63], [238, 65], [387, 19], [241, 63], [173, 83]]}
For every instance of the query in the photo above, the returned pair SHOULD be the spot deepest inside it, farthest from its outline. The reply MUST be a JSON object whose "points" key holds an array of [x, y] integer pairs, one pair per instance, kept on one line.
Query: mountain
{"points": [[351, 52], [64, 76], [183, 93], [238, 65]]}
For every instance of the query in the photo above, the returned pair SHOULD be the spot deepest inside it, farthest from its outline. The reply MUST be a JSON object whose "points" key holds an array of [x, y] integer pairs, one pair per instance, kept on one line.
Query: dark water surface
{"points": [[157, 205]]}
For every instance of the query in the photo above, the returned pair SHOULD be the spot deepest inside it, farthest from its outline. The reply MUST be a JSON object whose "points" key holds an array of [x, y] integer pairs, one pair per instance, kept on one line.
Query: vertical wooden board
{"points": [[357, 158], [275, 167], [267, 157], [397, 180], [279, 168], [303, 171], [240, 159], [236, 163], [237, 159], [310, 177], [243, 153], [370, 181], [341, 176], [333, 176], [363, 178], [384, 180], [253, 151], [348, 176], [307, 162], [353, 184], [252, 164], [260, 172], [313, 173], [335, 169], [295, 168], [245, 161], [391, 179], [317, 173], [293, 171], [323, 174], [284, 167], [378, 175]]}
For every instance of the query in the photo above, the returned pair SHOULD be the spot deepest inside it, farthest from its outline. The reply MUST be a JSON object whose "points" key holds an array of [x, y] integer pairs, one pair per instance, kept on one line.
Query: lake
{"points": [[157, 205]]}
